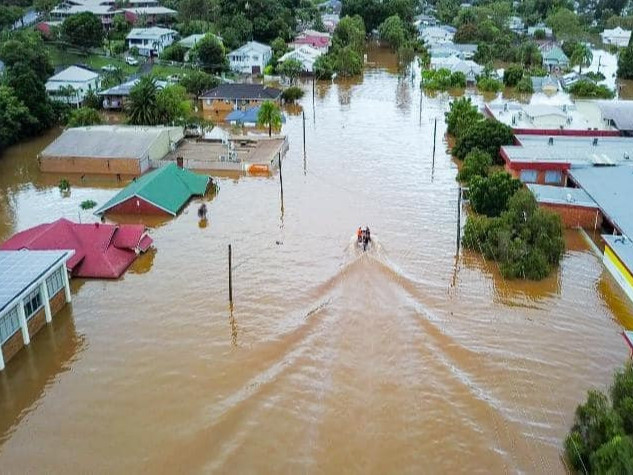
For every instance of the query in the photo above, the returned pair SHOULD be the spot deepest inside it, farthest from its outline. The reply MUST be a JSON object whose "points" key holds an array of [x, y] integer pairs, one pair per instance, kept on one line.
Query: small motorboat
{"points": [[363, 236]]}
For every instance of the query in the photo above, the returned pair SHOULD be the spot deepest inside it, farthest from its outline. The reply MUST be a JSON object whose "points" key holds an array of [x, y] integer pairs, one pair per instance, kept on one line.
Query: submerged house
{"points": [[247, 117], [102, 251], [228, 97], [164, 191], [33, 288]]}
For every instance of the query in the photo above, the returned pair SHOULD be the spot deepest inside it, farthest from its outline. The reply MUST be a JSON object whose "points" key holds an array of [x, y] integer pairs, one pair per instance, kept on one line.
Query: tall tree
{"points": [[581, 56], [269, 116], [210, 52], [290, 68], [393, 31], [14, 117], [350, 32], [143, 108], [83, 30]]}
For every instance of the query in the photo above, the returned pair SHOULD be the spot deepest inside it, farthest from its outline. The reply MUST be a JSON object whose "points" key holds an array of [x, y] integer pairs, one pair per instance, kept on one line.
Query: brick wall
{"points": [[573, 216], [58, 301], [16, 342], [36, 322], [99, 166], [130, 207], [12, 346]]}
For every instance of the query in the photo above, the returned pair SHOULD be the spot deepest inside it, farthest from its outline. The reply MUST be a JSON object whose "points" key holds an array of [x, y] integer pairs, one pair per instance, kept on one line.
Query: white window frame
{"points": [[32, 297], [5, 320], [55, 282]]}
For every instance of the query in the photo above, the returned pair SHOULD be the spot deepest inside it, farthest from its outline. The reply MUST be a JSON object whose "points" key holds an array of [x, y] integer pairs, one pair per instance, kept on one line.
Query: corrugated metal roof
{"points": [[242, 91], [20, 269], [622, 247], [73, 74], [168, 188], [620, 112], [105, 141], [561, 195], [577, 151], [611, 188]]}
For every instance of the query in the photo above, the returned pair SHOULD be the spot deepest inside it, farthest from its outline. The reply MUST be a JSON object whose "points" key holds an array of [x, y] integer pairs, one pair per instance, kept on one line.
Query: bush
{"points": [[512, 75], [442, 79], [88, 204], [324, 67], [588, 89], [84, 116], [174, 52], [292, 94], [490, 195], [487, 135], [461, 115], [476, 163], [525, 85], [525, 240], [488, 84], [595, 76], [134, 51], [118, 47], [197, 82]]}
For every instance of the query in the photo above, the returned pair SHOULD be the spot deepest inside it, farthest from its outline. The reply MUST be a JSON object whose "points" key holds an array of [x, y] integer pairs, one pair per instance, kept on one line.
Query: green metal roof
{"points": [[556, 54], [168, 188]]}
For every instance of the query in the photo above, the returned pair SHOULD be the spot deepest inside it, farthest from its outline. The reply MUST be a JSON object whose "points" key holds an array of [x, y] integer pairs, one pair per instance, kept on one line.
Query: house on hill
{"points": [[228, 97], [33, 288], [72, 84], [102, 251], [164, 191], [306, 55], [150, 41], [315, 39], [109, 149], [617, 36], [250, 58], [116, 97]]}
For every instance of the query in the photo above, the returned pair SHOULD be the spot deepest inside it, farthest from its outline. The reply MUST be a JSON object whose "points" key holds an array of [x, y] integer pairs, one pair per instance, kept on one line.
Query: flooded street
{"points": [[404, 359]]}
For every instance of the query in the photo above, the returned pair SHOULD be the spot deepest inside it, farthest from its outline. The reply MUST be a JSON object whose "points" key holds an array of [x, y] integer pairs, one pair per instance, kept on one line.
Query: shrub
{"points": [[174, 52], [512, 75], [84, 116], [488, 84], [63, 185], [292, 94], [588, 89], [539, 34], [595, 76], [490, 195], [475, 164], [324, 67], [462, 114], [118, 47], [487, 135], [88, 204], [525, 85], [442, 79]]}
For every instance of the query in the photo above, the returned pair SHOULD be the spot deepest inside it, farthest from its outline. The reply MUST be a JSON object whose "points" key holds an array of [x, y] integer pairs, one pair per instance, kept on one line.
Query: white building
{"points": [[72, 84], [250, 58], [305, 54], [435, 35], [469, 68], [150, 41], [105, 10], [617, 36]]}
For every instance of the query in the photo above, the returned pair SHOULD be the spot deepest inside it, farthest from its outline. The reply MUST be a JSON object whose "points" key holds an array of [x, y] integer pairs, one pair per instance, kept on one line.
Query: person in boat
{"points": [[359, 234]]}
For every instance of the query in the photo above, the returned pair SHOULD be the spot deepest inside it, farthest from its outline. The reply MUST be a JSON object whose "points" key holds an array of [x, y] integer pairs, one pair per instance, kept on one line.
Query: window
{"points": [[32, 303], [255, 57], [9, 324], [528, 176], [55, 282], [553, 176]]}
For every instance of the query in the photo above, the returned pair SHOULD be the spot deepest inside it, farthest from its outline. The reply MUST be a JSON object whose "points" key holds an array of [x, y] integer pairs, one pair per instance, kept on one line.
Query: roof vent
{"points": [[550, 141], [569, 198], [595, 142]]}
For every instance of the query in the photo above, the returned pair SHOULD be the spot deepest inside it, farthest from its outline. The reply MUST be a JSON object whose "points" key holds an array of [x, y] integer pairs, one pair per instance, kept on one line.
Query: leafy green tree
{"points": [[92, 100], [269, 116], [324, 67], [350, 32], [512, 75], [487, 135], [292, 94], [279, 48], [173, 105], [625, 63], [615, 456], [84, 116], [9, 15], [467, 33], [447, 10], [44, 6], [26, 48], [348, 62], [588, 89], [83, 30], [525, 85], [197, 82], [476, 163], [174, 52], [530, 55], [565, 24], [189, 10], [581, 56], [31, 90], [621, 392], [290, 68], [14, 118], [143, 107], [393, 31], [490, 195], [372, 12], [210, 52], [488, 84], [461, 115]]}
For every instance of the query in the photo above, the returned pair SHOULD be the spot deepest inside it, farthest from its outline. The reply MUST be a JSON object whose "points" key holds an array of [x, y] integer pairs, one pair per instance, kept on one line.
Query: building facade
{"points": [[34, 287], [228, 97], [250, 58], [617, 36], [150, 41], [72, 85]]}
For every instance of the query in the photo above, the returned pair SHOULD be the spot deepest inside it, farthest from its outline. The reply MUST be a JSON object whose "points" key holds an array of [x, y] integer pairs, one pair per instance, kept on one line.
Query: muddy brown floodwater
{"points": [[402, 360]]}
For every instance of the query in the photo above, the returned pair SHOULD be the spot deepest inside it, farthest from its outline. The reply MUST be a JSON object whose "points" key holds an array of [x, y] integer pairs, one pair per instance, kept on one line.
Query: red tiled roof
{"points": [[101, 250], [316, 41]]}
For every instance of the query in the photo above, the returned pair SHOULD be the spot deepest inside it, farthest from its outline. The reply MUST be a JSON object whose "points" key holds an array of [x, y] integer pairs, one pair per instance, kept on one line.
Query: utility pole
{"points": [[434, 140], [230, 277], [421, 96], [304, 134], [281, 180], [459, 216]]}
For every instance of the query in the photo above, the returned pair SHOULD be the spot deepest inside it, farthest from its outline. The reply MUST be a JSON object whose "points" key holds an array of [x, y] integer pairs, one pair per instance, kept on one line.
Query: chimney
{"points": [[550, 141], [179, 161]]}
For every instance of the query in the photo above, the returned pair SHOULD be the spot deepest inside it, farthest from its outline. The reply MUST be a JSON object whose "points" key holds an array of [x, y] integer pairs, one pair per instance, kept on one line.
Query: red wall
{"points": [[573, 216], [136, 205]]}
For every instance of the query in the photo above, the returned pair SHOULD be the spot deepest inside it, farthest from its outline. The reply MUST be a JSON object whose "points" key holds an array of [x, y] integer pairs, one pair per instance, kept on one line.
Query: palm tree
{"points": [[269, 115], [143, 107], [582, 56]]}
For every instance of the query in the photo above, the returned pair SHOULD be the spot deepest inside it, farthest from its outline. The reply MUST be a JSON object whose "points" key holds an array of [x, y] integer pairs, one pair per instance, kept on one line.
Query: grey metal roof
{"points": [[20, 269], [620, 112], [577, 151], [242, 91], [623, 247], [105, 141], [124, 89], [612, 189], [561, 195]]}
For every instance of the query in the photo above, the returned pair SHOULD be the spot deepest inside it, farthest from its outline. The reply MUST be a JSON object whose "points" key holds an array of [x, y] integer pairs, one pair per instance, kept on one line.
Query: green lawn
{"points": [[60, 57]]}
